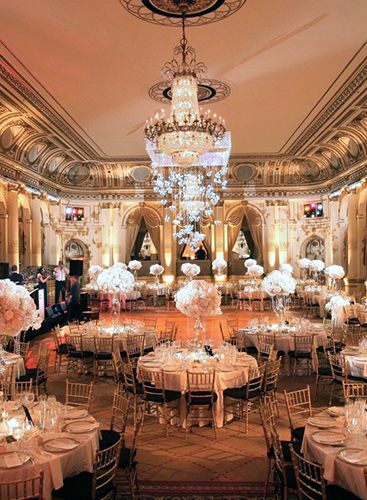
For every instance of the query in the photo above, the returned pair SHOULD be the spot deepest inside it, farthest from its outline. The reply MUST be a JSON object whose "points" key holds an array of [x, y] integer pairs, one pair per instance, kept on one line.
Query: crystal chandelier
{"points": [[189, 149]]}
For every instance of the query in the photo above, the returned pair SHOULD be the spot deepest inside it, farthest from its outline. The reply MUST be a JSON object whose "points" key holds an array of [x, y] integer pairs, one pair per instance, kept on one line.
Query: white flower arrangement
{"points": [[93, 273], [250, 262], [134, 265], [18, 311], [116, 279], [190, 270], [156, 270], [219, 264], [198, 298], [336, 305], [335, 272], [278, 283], [286, 268], [317, 265], [304, 263], [255, 271]]}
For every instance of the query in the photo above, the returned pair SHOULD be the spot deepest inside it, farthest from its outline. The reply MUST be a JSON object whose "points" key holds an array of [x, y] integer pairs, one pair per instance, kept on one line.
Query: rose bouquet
{"points": [[17, 309], [286, 268], [255, 271], [198, 298], [219, 265], [190, 270], [116, 279], [250, 262]]}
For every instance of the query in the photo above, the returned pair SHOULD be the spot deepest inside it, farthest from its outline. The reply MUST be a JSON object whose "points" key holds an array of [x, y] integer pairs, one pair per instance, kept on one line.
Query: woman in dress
{"points": [[42, 279]]}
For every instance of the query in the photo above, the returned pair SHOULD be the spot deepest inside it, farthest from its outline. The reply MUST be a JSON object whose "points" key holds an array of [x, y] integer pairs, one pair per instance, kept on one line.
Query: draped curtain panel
{"points": [[205, 229], [152, 222], [255, 227], [131, 234], [234, 226]]}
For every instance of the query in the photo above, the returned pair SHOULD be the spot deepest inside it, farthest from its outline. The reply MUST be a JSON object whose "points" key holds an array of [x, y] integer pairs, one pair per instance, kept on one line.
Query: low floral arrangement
{"points": [[255, 271], [286, 268], [116, 279], [198, 298], [250, 262], [156, 270], [134, 265], [316, 265], [278, 283], [335, 272], [219, 264], [304, 263], [93, 273], [18, 311], [190, 270]]}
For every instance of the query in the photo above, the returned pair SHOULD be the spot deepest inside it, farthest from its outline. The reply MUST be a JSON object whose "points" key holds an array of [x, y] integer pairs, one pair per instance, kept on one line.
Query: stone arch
{"points": [[79, 251], [319, 251]]}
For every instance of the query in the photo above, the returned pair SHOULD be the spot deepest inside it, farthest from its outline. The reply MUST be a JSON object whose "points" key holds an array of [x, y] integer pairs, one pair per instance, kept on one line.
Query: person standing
{"points": [[16, 277], [42, 279], [60, 272], [74, 308]]}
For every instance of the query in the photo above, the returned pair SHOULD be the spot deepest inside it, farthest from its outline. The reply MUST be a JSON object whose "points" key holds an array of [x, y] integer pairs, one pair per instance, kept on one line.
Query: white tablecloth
{"points": [[226, 377], [356, 364], [348, 476], [56, 466]]}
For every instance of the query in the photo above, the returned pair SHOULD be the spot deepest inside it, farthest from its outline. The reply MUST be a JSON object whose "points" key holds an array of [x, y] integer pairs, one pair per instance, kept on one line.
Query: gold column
{"points": [[35, 204], [13, 227], [4, 238]]}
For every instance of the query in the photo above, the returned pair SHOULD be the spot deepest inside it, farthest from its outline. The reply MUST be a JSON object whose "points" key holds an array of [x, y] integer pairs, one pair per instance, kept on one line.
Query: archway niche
{"points": [[314, 248], [77, 250]]}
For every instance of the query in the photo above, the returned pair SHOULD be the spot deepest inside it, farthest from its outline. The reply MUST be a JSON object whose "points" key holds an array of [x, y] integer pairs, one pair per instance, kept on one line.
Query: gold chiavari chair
{"points": [[309, 478], [61, 349], [18, 387], [134, 347], [78, 394], [338, 372], [118, 370], [21, 348], [285, 480], [271, 377], [7, 380], [103, 347], [200, 395], [133, 389], [245, 400], [80, 360], [23, 489], [39, 374], [304, 351], [264, 352], [352, 390], [120, 411], [150, 322], [157, 400], [224, 336], [299, 409]]}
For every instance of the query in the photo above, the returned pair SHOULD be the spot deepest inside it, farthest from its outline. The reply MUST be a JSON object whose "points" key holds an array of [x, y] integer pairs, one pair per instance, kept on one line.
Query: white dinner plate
{"points": [[353, 456], [361, 357], [321, 422], [336, 411], [13, 459], [60, 444], [331, 438], [75, 413], [80, 426]]}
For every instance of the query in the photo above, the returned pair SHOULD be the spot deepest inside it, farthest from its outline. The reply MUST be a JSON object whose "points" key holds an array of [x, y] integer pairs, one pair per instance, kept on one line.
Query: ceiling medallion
{"points": [[209, 91], [169, 12]]}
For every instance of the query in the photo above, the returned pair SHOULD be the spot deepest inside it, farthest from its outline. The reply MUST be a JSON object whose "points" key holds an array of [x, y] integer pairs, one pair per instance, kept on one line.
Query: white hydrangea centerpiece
{"points": [[116, 279], [219, 265], [190, 270]]}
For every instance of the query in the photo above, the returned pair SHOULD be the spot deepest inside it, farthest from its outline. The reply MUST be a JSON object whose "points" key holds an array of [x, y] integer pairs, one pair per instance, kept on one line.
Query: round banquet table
{"points": [[55, 465], [227, 375], [284, 340], [336, 471], [356, 361], [118, 338]]}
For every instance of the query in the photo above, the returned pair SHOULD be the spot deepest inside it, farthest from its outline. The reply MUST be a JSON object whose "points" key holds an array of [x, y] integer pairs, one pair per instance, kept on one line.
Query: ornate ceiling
{"points": [[76, 84]]}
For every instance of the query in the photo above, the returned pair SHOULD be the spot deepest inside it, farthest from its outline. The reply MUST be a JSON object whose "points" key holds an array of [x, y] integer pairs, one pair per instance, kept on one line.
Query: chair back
{"points": [[298, 405], [271, 377], [266, 338], [103, 344], [200, 387], [304, 343], [153, 384], [337, 366], [309, 476], [224, 338], [120, 411], [134, 345], [129, 378], [150, 322], [118, 370], [42, 363], [75, 340], [21, 348], [78, 394], [6, 379], [255, 382], [240, 338], [276, 447], [267, 419], [353, 390], [23, 489], [104, 470], [264, 350]]}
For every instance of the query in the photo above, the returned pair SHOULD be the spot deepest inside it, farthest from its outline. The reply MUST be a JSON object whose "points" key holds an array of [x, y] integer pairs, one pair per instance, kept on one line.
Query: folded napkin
{"points": [[12, 460], [336, 411], [62, 444], [84, 426]]}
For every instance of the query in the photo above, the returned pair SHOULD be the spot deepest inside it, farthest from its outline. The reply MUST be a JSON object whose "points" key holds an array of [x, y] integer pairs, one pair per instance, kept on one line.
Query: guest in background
{"points": [[74, 309], [16, 277], [200, 253], [60, 272], [42, 279]]}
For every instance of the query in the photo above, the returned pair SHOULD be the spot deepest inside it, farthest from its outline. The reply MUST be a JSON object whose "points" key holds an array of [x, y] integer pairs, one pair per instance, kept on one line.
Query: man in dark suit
{"points": [[200, 253], [74, 299], [16, 277]]}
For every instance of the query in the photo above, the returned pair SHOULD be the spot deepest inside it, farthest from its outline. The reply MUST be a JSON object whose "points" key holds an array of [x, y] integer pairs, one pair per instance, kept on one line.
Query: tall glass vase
{"points": [[199, 333], [116, 307], [279, 305], [157, 280]]}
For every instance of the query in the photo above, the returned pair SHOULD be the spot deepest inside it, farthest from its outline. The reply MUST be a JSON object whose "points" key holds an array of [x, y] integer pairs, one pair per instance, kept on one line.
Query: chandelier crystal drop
{"points": [[189, 149]]}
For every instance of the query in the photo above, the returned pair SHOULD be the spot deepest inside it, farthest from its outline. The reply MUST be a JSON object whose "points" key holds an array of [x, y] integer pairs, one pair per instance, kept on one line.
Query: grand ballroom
{"points": [[183, 249]]}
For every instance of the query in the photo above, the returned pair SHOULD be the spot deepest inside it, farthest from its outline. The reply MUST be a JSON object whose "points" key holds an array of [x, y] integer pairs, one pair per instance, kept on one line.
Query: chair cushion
{"points": [[31, 373], [147, 350], [291, 477], [138, 389], [204, 398], [103, 355], [298, 433], [300, 355], [251, 350], [108, 438], [325, 371], [236, 392], [81, 354], [158, 398], [353, 321]]}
